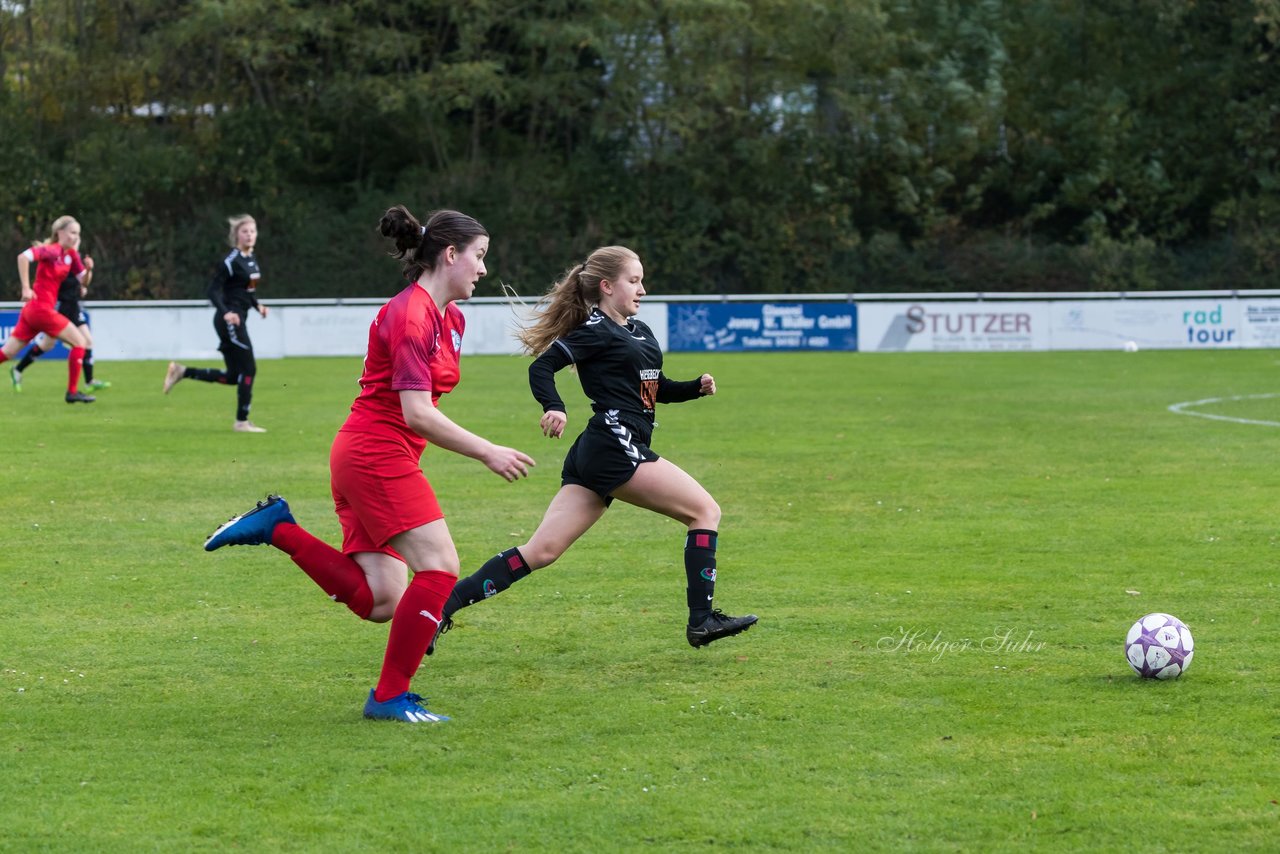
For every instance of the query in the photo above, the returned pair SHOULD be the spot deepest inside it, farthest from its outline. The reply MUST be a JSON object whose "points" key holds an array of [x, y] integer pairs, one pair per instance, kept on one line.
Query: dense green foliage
{"points": [[154, 697], [739, 145]]}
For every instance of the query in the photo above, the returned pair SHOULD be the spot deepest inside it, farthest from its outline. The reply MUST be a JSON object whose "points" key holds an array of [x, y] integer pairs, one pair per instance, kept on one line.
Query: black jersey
{"points": [[69, 290], [234, 283], [620, 368]]}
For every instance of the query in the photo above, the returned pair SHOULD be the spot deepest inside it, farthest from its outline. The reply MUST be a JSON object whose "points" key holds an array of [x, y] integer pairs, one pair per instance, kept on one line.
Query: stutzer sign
{"points": [[981, 326]]}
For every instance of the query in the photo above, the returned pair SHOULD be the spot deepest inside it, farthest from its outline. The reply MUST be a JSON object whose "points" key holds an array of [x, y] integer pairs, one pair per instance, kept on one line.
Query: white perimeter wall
{"points": [[184, 330], [885, 323]]}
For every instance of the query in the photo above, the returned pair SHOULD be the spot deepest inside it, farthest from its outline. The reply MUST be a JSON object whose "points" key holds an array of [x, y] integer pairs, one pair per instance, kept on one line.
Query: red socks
{"points": [[416, 617], [414, 625], [74, 361], [338, 575]]}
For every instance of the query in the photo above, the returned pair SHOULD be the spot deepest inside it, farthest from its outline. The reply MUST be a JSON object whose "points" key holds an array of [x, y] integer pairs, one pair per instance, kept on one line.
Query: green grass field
{"points": [[1012, 515]]}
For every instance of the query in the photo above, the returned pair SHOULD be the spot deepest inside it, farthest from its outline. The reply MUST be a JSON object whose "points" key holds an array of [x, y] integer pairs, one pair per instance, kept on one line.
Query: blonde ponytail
{"points": [[568, 303]]}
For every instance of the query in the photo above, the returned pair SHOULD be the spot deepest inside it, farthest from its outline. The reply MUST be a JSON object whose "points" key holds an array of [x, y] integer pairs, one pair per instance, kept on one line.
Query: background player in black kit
{"points": [[70, 292], [232, 293], [589, 321]]}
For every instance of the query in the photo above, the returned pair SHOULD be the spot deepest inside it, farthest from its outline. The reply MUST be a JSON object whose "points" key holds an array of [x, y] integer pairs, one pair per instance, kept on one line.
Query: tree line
{"points": [[741, 146]]}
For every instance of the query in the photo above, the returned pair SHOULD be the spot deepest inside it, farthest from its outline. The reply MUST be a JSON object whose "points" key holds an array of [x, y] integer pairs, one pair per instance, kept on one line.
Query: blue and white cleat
{"points": [[253, 528], [405, 707]]}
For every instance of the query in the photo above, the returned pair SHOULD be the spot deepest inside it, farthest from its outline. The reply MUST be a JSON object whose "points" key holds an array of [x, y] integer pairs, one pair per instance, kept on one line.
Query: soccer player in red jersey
{"points": [[391, 520], [588, 321], [56, 259], [70, 293]]}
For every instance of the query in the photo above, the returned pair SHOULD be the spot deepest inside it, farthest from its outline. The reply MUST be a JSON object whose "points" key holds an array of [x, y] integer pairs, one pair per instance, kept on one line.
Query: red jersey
{"points": [[412, 347], [56, 263]]}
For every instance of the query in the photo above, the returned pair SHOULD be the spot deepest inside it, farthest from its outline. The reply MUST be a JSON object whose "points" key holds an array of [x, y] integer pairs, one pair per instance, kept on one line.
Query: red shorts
{"points": [[379, 491], [37, 317]]}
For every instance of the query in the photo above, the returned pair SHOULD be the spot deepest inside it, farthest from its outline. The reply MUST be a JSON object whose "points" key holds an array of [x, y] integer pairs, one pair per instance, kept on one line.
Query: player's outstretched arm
{"points": [[678, 391], [438, 429]]}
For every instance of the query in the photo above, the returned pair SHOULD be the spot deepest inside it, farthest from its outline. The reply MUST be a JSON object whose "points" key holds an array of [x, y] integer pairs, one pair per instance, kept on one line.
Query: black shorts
{"points": [[605, 455], [73, 311], [236, 348]]}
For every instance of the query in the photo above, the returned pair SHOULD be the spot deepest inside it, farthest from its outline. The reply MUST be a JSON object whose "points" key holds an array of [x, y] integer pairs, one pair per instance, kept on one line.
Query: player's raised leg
{"points": [[342, 577], [571, 513], [665, 488]]}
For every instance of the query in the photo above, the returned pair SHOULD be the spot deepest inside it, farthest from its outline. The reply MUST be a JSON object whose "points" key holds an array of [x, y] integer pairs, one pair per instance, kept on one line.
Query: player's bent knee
{"points": [[444, 565], [382, 612], [706, 516], [72, 338], [385, 600], [537, 557]]}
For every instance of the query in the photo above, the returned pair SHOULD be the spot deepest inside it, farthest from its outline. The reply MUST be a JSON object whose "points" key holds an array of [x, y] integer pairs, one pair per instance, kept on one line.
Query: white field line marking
{"points": [[1186, 408]]}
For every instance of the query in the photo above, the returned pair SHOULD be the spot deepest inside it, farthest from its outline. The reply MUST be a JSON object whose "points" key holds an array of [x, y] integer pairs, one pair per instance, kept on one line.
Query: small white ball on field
{"points": [[1131, 346]]}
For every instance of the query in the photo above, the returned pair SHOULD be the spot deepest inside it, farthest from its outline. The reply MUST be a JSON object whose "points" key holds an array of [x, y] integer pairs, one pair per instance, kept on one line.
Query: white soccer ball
{"points": [[1131, 346], [1159, 646]]}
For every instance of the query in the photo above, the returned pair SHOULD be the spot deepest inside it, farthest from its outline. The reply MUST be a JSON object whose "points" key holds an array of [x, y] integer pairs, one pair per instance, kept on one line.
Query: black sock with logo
{"points": [[498, 573], [700, 570]]}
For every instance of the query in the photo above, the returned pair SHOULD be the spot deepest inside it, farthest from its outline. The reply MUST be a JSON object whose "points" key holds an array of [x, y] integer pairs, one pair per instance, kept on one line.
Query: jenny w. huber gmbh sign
{"points": [[762, 326]]}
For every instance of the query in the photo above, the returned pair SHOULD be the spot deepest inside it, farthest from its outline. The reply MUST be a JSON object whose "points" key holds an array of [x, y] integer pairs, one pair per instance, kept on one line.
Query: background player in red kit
{"points": [[589, 321], [56, 259], [70, 293], [233, 291], [390, 517]]}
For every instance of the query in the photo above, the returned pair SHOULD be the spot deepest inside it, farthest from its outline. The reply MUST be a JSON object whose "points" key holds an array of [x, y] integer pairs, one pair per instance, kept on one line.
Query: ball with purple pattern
{"points": [[1159, 646]]}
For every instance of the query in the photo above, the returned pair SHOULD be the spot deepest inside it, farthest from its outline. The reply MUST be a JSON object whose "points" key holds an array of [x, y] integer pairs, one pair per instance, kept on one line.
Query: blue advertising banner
{"points": [[756, 326], [9, 319]]}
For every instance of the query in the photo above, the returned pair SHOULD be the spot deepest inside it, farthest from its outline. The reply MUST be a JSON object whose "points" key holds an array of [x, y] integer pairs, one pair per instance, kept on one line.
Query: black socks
{"points": [[31, 356], [498, 573], [700, 570], [206, 375], [503, 570], [244, 397]]}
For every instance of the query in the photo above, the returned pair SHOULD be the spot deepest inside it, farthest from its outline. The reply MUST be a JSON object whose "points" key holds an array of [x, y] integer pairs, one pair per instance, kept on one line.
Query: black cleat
{"points": [[445, 625], [79, 397], [716, 626]]}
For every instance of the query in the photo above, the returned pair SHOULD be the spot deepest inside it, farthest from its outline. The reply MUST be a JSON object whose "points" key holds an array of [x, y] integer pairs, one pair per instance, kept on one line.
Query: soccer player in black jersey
{"points": [[70, 292], [589, 321], [232, 292]]}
